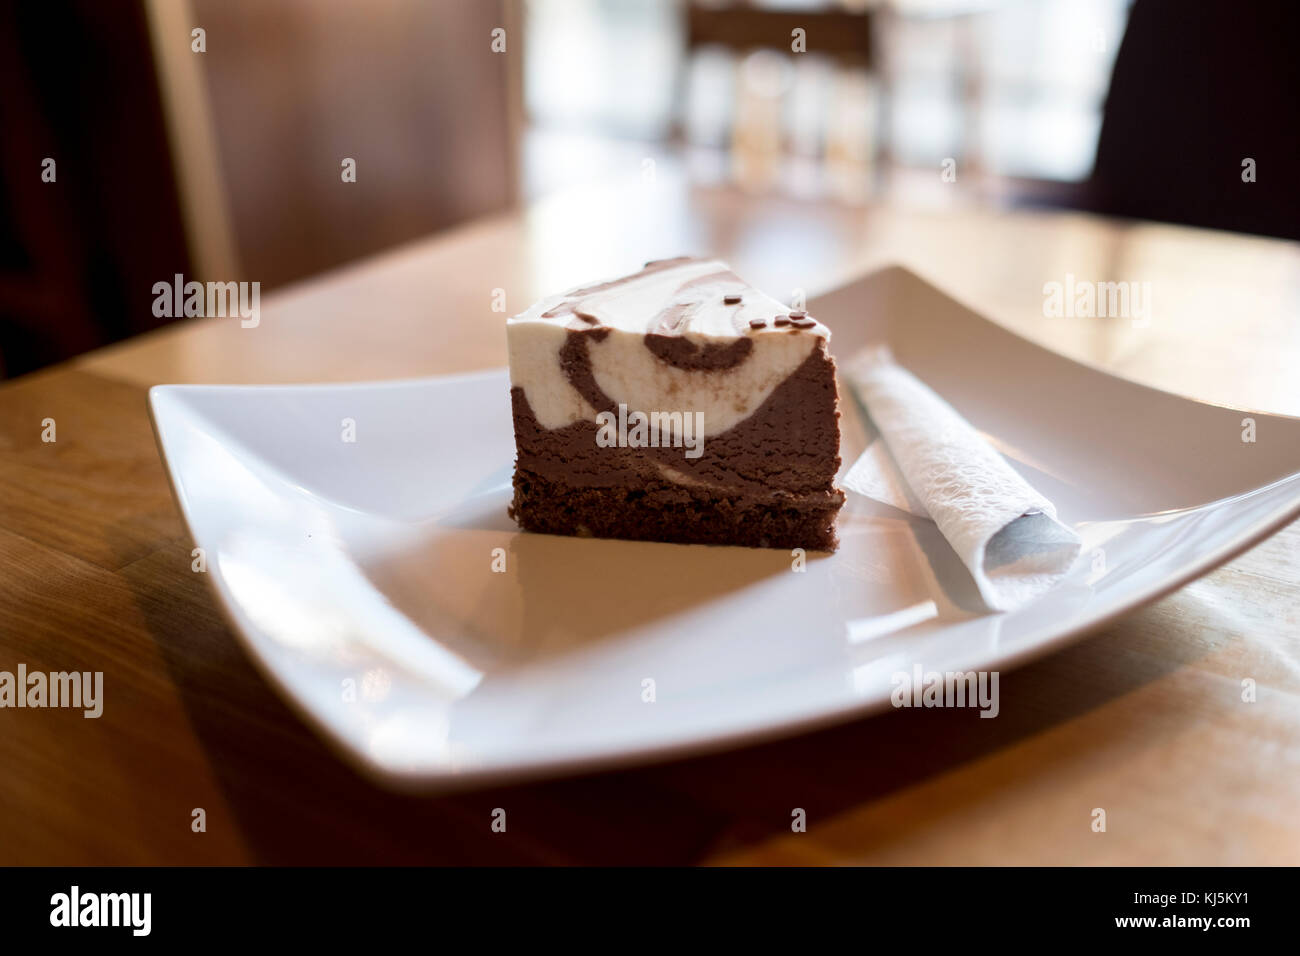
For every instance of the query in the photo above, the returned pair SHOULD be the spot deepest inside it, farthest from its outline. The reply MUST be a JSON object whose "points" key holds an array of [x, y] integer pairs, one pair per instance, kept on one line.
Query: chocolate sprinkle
{"points": [[758, 323], [781, 320], [804, 323], [797, 313], [731, 299]]}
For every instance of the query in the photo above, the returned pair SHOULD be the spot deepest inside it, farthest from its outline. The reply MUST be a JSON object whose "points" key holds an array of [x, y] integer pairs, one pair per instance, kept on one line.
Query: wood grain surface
{"points": [[1144, 718]]}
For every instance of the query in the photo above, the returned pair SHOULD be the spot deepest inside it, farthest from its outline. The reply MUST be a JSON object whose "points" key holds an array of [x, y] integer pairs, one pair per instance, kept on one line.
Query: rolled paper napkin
{"points": [[934, 464]]}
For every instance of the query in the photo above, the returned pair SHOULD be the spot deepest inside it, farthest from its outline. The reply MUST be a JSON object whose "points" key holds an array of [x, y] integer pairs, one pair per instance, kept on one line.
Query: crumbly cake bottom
{"points": [[680, 514]]}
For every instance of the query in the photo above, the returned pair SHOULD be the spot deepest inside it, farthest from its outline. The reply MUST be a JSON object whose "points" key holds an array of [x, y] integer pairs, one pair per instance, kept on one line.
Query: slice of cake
{"points": [[675, 404]]}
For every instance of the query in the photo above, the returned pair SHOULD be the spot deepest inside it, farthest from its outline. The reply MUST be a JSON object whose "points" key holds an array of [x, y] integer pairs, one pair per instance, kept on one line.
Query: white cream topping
{"points": [[691, 293]]}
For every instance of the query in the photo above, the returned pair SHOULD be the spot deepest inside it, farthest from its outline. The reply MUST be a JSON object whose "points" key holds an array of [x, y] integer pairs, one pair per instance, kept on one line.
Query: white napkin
{"points": [[934, 464]]}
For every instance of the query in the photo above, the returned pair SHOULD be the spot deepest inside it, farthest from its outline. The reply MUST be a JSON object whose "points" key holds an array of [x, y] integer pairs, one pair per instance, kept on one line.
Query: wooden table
{"points": [[1144, 719]]}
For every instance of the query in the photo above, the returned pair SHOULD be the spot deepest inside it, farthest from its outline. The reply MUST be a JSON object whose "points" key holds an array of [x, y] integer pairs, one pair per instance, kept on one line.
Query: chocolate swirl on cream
{"points": [[575, 362], [681, 352], [682, 334]]}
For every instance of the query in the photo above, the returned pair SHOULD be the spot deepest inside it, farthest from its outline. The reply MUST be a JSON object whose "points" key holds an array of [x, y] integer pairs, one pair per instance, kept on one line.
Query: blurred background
{"points": [[209, 137]]}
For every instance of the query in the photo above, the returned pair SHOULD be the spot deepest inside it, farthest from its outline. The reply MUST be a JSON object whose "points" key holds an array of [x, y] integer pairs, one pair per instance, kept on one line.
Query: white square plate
{"points": [[360, 575]]}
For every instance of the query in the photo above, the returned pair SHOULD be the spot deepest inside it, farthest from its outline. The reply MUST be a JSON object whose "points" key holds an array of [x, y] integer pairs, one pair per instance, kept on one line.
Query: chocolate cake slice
{"points": [[675, 404]]}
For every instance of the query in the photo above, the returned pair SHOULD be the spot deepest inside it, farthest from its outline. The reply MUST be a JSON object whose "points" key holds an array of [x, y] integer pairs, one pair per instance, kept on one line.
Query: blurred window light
{"points": [[851, 136], [1011, 88], [1017, 86], [605, 63], [1043, 140], [807, 108], [710, 101], [1065, 46], [925, 121]]}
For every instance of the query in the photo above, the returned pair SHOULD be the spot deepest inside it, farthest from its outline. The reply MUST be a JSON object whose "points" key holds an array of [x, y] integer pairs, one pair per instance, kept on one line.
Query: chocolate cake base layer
{"points": [[663, 511]]}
